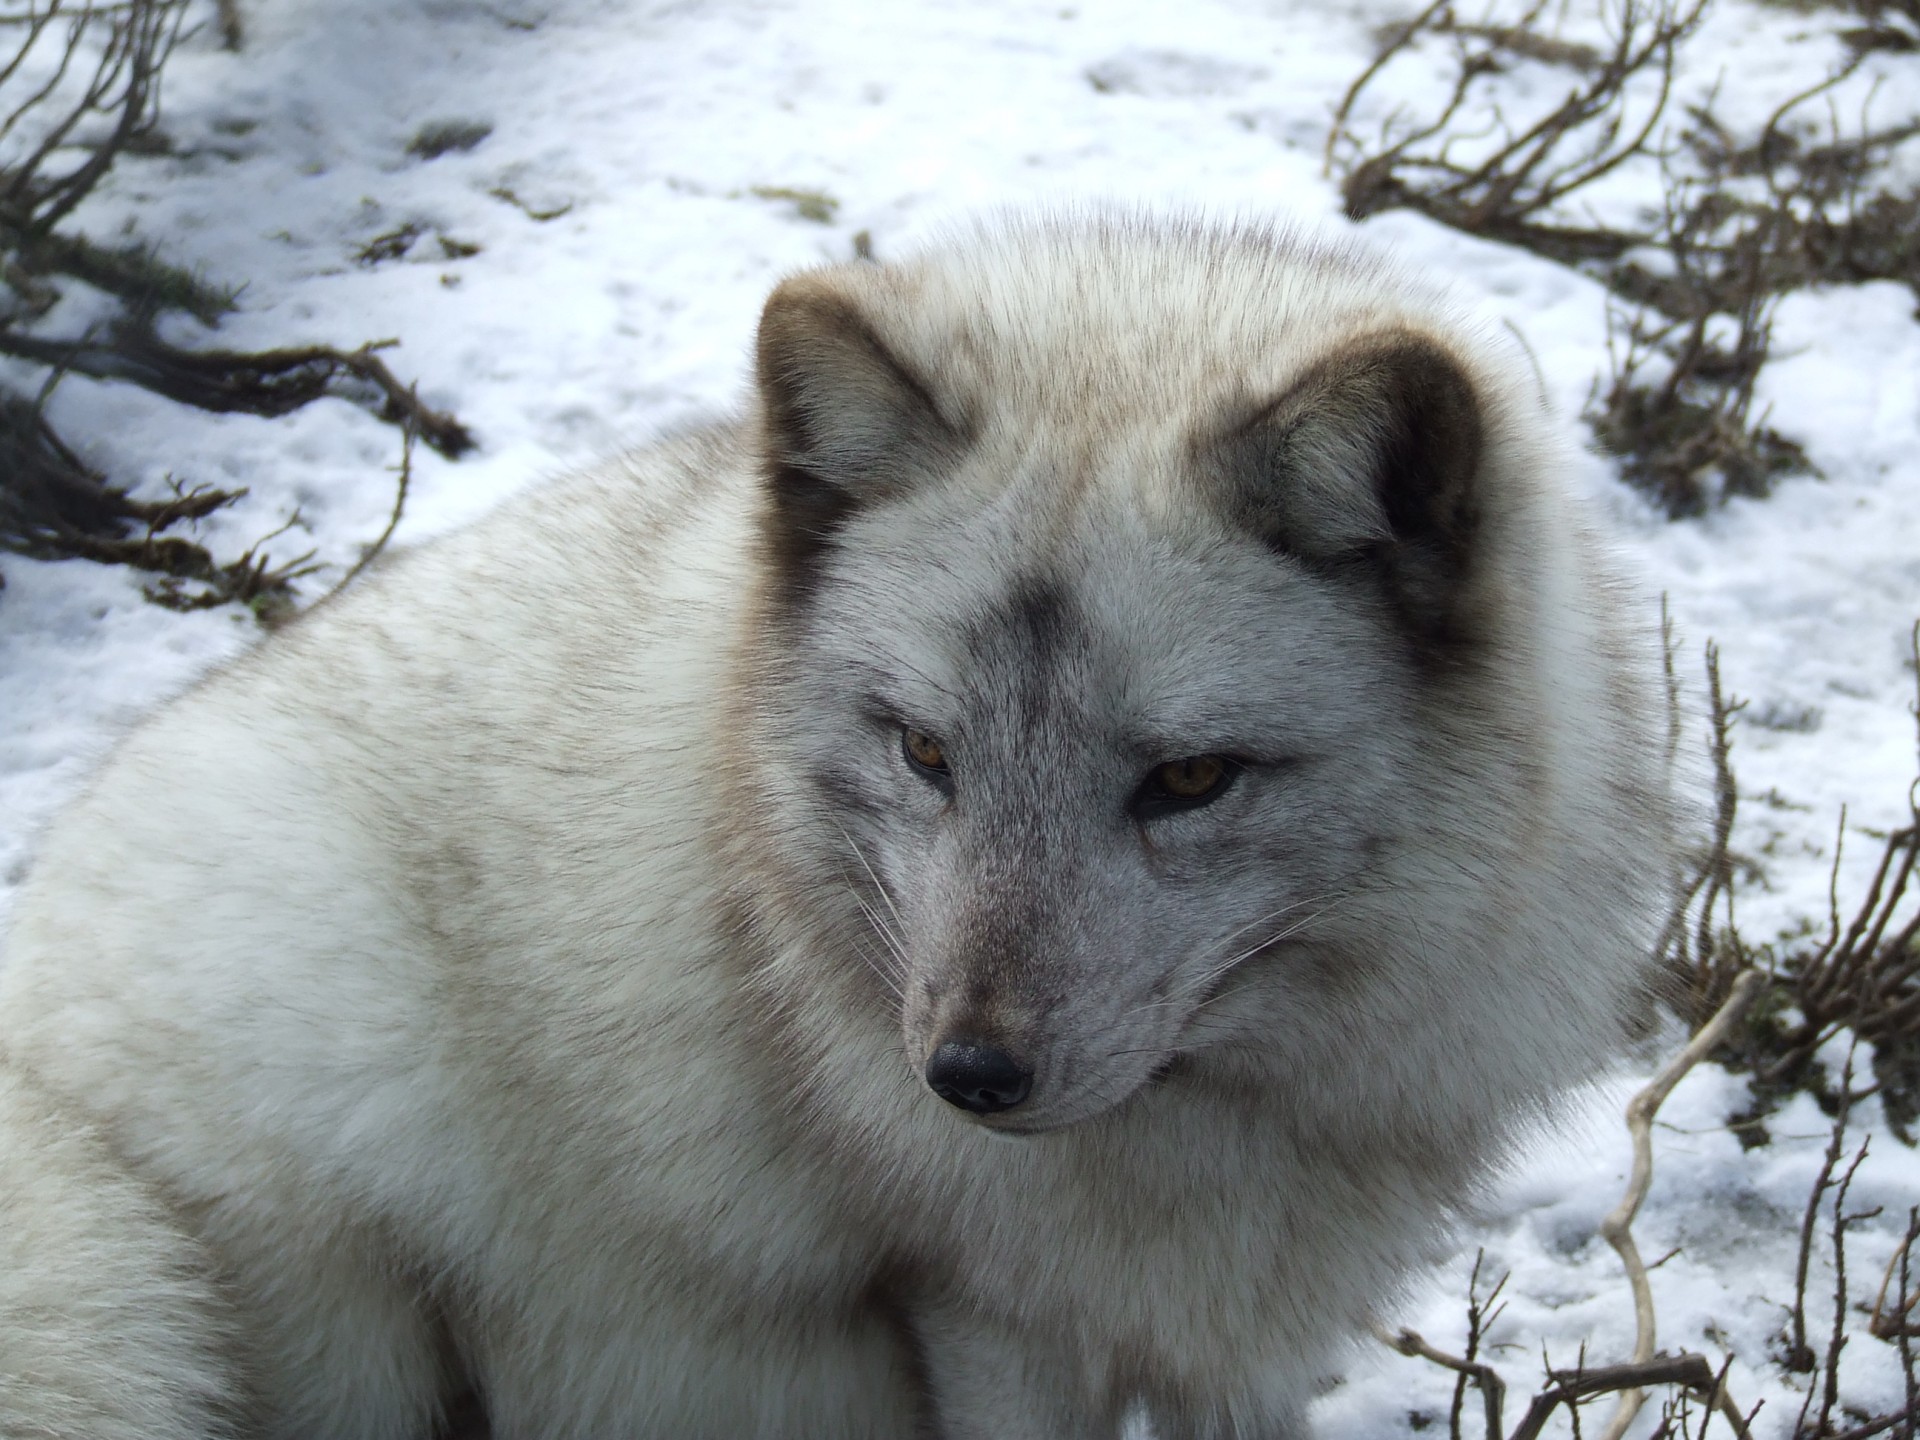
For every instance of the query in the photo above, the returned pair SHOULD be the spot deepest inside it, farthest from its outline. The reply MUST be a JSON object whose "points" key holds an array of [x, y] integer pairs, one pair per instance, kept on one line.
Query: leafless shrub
{"points": [[1804, 201], [56, 162], [81, 87], [1816, 1420], [1677, 410], [1742, 224], [1743, 220], [1471, 167], [1862, 977], [1794, 204]]}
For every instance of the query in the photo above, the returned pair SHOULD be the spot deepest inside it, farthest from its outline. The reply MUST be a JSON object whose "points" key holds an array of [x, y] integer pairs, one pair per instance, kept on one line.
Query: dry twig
{"points": [[1617, 1228], [1469, 1367], [404, 483]]}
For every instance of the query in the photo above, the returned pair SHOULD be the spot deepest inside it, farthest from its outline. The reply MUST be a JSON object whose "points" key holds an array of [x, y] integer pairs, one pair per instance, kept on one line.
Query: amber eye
{"points": [[1183, 785], [1191, 778], [923, 752]]}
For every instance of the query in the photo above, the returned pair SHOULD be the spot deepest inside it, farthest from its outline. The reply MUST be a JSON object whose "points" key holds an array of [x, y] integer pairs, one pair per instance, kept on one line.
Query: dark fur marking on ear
{"points": [[1367, 467], [804, 515], [846, 423]]}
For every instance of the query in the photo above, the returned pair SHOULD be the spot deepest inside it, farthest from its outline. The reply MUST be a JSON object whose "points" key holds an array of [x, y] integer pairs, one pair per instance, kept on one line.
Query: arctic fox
{"points": [[1017, 885]]}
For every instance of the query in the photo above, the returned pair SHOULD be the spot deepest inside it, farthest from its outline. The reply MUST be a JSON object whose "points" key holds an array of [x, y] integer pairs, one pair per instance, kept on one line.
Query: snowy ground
{"points": [[627, 211]]}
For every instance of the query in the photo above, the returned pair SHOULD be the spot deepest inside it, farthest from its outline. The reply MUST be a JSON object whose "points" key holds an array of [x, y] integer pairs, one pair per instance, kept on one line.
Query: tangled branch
{"points": [[122, 89], [1741, 221], [86, 74], [1511, 190]]}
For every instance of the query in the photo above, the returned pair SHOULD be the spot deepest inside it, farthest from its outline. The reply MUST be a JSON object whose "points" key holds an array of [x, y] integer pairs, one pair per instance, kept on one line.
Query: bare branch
{"points": [[405, 481], [265, 382], [1493, 1389], [1689, 1370], [1617, 1228]]}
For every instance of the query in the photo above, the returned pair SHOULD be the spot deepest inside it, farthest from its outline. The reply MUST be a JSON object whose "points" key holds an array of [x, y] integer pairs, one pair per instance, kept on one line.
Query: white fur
{"points": [[479, 973], [113, 1327]]}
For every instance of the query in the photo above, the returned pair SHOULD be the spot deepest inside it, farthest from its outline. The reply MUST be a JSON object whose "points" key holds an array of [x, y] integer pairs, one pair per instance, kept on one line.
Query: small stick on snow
{"points": [[1896, 1323], [1493, 1390], [1617, 1228]]}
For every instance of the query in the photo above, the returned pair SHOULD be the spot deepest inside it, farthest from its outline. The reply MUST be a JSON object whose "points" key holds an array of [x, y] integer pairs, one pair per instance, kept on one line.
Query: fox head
{"points": [[1119, 593]]}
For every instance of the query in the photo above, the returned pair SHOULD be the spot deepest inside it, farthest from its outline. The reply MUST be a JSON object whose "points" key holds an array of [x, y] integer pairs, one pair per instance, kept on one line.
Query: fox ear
{"points": [[846, 421], [1371, 459]]}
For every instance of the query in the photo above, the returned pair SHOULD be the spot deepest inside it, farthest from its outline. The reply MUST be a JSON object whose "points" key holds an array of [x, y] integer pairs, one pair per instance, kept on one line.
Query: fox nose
{"points": [[979, 1078]]}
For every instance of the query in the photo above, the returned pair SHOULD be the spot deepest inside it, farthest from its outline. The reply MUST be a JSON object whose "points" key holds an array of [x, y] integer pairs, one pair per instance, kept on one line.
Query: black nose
{"points": [[979, 1078]]}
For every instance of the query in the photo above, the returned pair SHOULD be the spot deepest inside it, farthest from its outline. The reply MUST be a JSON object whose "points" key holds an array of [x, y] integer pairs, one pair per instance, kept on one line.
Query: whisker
{"points": [[1183, 994], [891, 966], [1291, 905], [1214, 972], [873, 964], [1208, 980], [895, 950], [1272, 940], [861, 856]]}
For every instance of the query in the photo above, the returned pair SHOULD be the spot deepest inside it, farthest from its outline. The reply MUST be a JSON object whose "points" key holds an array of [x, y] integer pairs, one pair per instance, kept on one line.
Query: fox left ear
{"points": [[845, 420], [1371, 458]]}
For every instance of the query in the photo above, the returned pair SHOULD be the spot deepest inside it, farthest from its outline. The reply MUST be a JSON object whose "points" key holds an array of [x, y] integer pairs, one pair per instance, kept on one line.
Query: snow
{"points": [[640, 185]]}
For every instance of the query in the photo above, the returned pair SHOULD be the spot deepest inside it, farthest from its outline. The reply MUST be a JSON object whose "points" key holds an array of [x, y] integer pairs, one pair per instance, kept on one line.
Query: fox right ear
{"points": [[1372, 457], [846, 421]]}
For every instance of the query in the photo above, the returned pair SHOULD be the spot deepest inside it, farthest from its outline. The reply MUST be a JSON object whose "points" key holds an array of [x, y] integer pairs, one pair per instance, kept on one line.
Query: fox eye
{"points": [[1184, 784], [924, 754]]}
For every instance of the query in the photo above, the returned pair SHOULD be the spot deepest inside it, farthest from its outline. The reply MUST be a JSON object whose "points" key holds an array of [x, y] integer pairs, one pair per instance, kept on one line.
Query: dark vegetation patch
{"points": [[814, 205], [392, 245], [447, 137]]}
